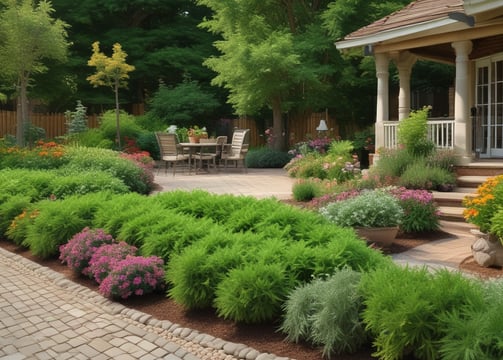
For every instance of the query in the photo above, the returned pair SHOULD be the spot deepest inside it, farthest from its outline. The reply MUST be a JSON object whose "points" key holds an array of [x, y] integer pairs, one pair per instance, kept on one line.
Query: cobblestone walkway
{"points": [[45, 316]]}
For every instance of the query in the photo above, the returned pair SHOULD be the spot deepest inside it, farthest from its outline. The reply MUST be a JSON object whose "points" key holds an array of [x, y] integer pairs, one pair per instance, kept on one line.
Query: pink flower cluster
{"points": [[421, 196], [134, 275], [106, 257], [320, 145], [77, 252]]}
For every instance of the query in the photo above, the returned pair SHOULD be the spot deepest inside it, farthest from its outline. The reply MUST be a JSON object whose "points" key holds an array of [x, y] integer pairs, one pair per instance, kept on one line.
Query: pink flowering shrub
{"points": [[145, 163], [81, 247], [421, 212], [135, 275], [106, 257]]}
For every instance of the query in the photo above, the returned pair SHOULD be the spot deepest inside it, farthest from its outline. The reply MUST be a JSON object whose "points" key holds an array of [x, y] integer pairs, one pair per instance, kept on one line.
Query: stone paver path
{"points": [[45, 316]]}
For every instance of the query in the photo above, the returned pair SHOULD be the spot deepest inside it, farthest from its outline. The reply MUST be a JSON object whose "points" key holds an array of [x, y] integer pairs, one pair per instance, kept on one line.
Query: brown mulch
{"points": [[263, 337]]}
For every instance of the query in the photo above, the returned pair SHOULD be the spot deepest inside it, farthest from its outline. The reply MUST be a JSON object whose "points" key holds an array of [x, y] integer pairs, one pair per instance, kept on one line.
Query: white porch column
{"points": [[404, 62], [382, 110], [462, 126]]}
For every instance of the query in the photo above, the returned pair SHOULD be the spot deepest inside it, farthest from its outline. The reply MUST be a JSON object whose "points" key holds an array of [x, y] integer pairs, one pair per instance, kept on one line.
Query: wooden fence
{"points": [[54, 124], [297, 129]]}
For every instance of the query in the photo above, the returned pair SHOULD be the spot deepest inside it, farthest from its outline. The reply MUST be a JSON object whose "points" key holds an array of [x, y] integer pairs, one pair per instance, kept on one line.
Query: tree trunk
{"points": [[117, 115], [22, 120], [277, 126]]}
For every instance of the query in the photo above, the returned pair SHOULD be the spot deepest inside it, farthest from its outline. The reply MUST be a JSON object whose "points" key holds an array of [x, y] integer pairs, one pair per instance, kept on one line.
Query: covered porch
{"points": [[467, 34]]}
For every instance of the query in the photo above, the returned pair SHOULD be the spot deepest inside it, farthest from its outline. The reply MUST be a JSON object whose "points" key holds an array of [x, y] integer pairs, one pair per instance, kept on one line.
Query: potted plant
{"points": [[374, 214], [483, 210], [195, 133]]}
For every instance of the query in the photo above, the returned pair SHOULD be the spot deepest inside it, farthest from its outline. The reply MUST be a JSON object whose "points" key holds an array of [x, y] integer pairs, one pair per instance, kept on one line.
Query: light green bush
{"points": [[252, 293], [326, 312], [57, 221], [85, 159], [404, 308]]}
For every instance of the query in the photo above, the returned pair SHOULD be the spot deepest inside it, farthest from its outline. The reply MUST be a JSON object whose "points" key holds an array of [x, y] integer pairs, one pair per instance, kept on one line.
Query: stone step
{"points": [[451, 213], [470, 181], [454, 198], [481, 168]]}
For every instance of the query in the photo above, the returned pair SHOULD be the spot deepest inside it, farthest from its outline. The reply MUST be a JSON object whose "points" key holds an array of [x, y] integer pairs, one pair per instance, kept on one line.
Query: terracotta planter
{"points": [[195, 138], [383, 236]]}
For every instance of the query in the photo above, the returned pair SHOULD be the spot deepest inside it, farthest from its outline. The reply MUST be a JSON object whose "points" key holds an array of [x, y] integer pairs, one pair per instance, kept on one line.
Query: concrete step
{"points": [[451, 213], [454, 198], [481, 168], [470, 181]]}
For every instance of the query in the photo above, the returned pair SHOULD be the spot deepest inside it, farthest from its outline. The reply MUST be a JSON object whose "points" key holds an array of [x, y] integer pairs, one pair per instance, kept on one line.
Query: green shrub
{"points": [[305, 190], [85, 159], [57, 221], [413, 133], [371, 208], [392, 163], [120, 210], [420, 210], [33, 183], [195, 273], [419, 175], [128, 126], [91, 138], [10, 208], [442, 158], [148, 142], [474, 332], [326, 312], [404, 308], [66, 183], [266, 157], [173, 233], [252, 293]]}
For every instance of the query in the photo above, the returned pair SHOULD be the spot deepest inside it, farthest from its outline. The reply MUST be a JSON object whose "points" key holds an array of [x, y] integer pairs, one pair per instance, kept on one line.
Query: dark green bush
{"points": [[265, 157], [147, 141], [326, 312], [305, 190]]}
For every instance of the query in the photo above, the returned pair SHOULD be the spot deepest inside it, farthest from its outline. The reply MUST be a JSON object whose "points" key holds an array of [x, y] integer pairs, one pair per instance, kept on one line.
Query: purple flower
{"points": [[80, 248], [133, 275]]}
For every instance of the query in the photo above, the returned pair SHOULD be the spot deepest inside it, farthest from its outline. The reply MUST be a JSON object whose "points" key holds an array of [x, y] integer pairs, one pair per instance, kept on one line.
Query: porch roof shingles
{"points": [[419, 11]]}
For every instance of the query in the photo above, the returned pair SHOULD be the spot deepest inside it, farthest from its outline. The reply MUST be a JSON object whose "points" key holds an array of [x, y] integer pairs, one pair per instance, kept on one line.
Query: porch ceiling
{"points": [[445, 53]]}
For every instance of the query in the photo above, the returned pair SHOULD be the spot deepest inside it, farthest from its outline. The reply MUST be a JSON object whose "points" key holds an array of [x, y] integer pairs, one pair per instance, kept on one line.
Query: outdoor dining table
{"points": [[198, 147]]}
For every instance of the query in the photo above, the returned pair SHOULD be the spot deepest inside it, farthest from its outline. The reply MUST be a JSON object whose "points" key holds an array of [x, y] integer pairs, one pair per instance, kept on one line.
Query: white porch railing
{"points": [[440, 132]]}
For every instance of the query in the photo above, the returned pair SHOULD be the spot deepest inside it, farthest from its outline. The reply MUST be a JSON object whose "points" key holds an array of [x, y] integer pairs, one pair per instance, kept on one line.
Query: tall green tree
{"points": [[29, 36], [113, 72], [162, 38], [272, 54]]}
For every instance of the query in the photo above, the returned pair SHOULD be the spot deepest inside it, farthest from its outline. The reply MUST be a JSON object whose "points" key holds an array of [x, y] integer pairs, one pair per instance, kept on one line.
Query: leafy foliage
{"points": [[252, 293], [326, 312], [404, 307], [265, 157]]}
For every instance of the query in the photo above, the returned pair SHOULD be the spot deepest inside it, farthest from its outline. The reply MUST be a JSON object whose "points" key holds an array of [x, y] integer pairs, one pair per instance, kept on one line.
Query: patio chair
{"points": [[170, 150], [236, 151], [205, 156]]}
